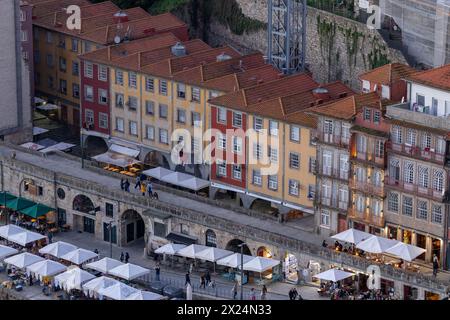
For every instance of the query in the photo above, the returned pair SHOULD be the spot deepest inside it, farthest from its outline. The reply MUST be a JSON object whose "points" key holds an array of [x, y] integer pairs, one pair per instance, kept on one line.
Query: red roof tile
{"points": [[436, 78], [388, 73]]}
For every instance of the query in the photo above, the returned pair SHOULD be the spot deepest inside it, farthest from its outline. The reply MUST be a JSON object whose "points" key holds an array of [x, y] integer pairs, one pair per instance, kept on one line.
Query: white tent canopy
{"points": [[73, 278], [352, 236], [260, 264], [406, 251], [116, 159], [58, 249], [9, 230], [38, 100], [234, 260], [104, 265], [124, 150], [7, 251], [46, 268], [61, 146], [79, 256], [176, 177], [26, 237], [129, 271], [375, 244], [32, 146], [118, 291], [23, 260], [170, 248], [38, 131], [92, 287], [145, 295], [333, 275], [157, 173], [47, 107], [212, 254], [191, 251], [194, 183]]}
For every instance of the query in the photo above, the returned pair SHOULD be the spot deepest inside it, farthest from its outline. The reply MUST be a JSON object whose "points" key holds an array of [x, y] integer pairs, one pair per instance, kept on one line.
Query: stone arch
{"points": [[94, 145], [133, 228], [83, 204], [210, 238], [264, 252], [233, 245]]}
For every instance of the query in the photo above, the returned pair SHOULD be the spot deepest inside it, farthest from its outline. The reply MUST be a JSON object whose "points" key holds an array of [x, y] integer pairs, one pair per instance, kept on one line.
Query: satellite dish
{"points": [[117, 39]]}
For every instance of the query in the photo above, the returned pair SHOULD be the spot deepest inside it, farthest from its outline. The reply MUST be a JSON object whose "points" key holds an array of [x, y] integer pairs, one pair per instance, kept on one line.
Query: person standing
{"points": [[188, 279], [127, 185], [143, 188], [127, 257], [149, 188], [208, 277], [50, 237], [294, 293], [122, 182], [291, 294], [264, 292], [138, 182], [202, 282], [234, 290], [252, 294], [121, 257], [157, 271], [435, 265]]}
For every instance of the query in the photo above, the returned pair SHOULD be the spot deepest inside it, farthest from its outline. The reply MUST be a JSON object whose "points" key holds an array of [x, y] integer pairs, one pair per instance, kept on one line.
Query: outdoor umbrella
{"points": [[118, 291], [145, 295], [104, 265], [405, 251], [260, 264], [194, 183], [212, 254], [18, 204], [92, 287], [7, 251], [37, 210], [73, 279], [46, 268], [5, 195], [191, 251], [9, 230], [58, 249], [352, 236], [157, 173], [23, 260], [79, 256], [234, 260], [375, 244], [128, 271], [26, 237], [170, 248], [333, 275]]}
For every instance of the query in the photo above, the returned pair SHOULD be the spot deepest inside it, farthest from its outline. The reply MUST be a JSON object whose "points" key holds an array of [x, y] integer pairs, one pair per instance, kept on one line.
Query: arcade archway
{"points": [[132, 228], [233, 245]]}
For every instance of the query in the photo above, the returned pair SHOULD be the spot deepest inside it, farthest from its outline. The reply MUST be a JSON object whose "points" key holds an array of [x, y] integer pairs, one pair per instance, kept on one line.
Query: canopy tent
{"points": [[212, 254], [23, 260], [73, 279], [234, 260], [194, 183], [333, 275], [124, 150], [6, 195], [92, 287], [9, 230], [58, 249], [406, 251], [19, 203], [118, 291], [26, 237], [145, 295], [352, 236], [191, 251], [46, 268], [260, 264], [47, 107], [104, 265], [375, 244], [47, 142], [170, 248], [38, 100], [61, 146], [37, 210], [175, 178], [79, 256], [37, 131], [32, 146], [7, 251], [157, 173], [128, 271], [119, 156]]}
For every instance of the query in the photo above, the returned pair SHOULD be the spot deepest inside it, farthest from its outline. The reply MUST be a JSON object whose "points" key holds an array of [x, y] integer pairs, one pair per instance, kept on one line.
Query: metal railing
{"points": [[333, 139], [416, 152], [366, 187], [416, 189], [366, 217]]}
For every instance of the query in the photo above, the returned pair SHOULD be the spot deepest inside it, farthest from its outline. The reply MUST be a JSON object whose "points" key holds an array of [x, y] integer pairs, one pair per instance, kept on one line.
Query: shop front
{"points": [[290, 268]]}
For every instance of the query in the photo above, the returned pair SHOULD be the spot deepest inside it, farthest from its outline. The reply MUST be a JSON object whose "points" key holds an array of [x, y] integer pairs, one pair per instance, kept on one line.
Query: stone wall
{"points": [[337, 48]]}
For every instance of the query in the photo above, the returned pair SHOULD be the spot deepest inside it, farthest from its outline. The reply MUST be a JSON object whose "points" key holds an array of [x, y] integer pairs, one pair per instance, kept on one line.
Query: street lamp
{"points": [[110, 226], [242, 268]]}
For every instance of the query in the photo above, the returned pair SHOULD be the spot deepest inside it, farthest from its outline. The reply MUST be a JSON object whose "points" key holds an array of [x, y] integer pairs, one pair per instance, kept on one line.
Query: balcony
{"points": [[366, 217], [368, 157], [416, 189], [333, 139], [333, 173], [416, 152], [334, 203], [367, 187]]}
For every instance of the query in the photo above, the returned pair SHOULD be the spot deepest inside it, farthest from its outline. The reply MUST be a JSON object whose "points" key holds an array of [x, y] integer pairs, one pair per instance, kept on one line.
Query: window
{"points": [[119, 125], [367, 114], [422, 210], [273, 128], [102, 73], [211, 239], [89, 115], [434, 106], [237, 119], [360, 203], [149, 84], [257, 124], [376, 207], [294, 160], [103, 120], [222, 141], [397, 134], [257, 151], [312, 165], [181, 116], [50, 60], [407, 207], [23, 16], [75, 68], [237, 145], [133, 128], [159, 229], [293, 187], [423, 176], [426, 141], [272, 182], [311, 191], [102, 96], [420, 100], [346, 133], [221, 168], [394, 169], [379, 149], [376, 117], [149, 107], [119, 100], [89, 93], [87, 46], [221, 115], [132, 80], [184, 228], [438, 180], [132, 103], [49, 37], [149, 132], [295, 133], [365, 86], [237, 172], [385, 92], [23, 36], [76, 90], [195, 94], [109, 209], [361, 143], [328, 127], [62, 64], [393, 202], [410, 137], [163, 109], [326, 162], [74, 45], [62, 42], [119, 77], [256, 177], [325, 218], [88, 70], [163, 87], [440, 145], [181, 91], [272, 153], [436, 214], [40, 191], [408, 176], [196, 120], [163, 136]]}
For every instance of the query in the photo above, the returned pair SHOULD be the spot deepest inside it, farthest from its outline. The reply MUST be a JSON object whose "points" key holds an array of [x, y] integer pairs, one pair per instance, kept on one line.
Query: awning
{"points": [[6, 196], [19, 204], [157, 173], [47, 107], [32, 146], [61, 146], [194, 184], [176, 237], [37, 131], [116, 159], [177, 178], [124, 150], [37, 210]]}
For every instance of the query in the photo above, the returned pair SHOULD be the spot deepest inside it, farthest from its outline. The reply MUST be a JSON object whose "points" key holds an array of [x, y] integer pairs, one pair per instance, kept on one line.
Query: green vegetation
{"points": [[343, 8], [162, 6]]}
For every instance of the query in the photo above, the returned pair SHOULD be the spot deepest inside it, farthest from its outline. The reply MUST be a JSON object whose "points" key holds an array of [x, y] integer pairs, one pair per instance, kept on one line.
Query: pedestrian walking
{"points": [[264, 292], [122, 182], [96, 251], [127, 257], [234, 290], [202, 282], [435, 265], [138, 182], [252, 294], [122, 257], [143, 188], [188, 278], [50, 237], [127, 185], [294, 294], [208, 278], [157, 271], [149, 188]]}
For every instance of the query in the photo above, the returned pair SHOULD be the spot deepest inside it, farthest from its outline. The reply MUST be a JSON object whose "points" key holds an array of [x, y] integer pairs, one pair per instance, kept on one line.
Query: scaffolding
{"points": [[287, 35]]}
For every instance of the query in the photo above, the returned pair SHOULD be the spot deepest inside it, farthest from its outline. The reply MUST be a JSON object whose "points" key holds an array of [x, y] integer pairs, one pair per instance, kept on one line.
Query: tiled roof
{"points": [[436, 78], [45, 7], [388, 73]]}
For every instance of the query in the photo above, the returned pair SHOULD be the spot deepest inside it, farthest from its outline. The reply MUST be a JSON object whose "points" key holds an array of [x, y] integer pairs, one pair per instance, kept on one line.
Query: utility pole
{"points": [[110, 240], [242, 269]]}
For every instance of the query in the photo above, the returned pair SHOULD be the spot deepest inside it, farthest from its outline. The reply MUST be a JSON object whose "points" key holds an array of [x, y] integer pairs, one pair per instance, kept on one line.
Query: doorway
{"points": [[88, 225]]}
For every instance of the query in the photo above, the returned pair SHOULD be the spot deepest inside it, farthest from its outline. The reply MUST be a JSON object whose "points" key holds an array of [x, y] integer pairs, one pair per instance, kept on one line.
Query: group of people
{"points": [[142, 184], [234, 290], [294, 295], [124, 257], [351, 249], [205, 280]]}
